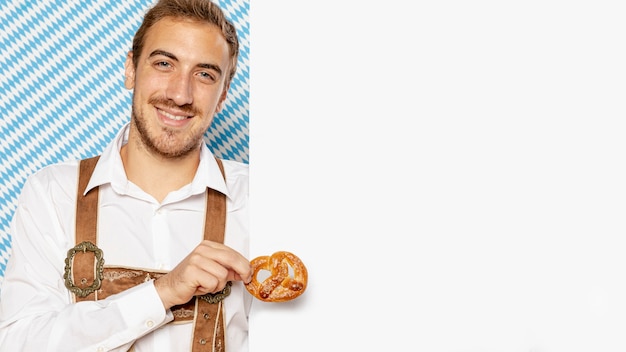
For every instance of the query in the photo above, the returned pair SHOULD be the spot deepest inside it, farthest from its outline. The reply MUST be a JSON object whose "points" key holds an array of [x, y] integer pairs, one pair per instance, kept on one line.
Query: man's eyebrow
{"points": [[173, 57], [164, 53], [211, 67]]}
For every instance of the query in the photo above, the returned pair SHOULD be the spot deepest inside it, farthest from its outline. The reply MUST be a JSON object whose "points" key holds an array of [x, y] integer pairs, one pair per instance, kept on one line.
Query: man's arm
{"points": [[36, 309]]}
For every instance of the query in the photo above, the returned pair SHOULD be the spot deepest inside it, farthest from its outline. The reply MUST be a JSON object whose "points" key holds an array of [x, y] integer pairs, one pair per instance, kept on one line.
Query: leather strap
{"points": [[84, 263], [208, 318], [209, 325]]}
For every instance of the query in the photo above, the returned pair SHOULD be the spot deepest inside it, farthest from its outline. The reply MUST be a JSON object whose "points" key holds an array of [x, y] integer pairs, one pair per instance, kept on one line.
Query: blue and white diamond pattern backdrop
{"points": [[61, 87]]}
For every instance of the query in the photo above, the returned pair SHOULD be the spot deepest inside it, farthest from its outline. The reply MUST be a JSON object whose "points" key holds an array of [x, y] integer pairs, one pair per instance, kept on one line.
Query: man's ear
{"points": [[220, 103], [129, 71]]}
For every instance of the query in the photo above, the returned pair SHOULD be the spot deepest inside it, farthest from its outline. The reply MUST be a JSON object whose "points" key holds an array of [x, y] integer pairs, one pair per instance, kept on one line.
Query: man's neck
{"points": [[156, 175]]}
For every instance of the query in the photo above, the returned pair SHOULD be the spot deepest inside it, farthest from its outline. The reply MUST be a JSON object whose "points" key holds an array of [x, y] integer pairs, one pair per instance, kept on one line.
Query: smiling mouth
{"points": [[172, 116]]}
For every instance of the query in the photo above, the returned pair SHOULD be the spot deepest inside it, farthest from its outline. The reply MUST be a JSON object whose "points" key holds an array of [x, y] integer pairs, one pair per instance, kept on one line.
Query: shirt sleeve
{"points": [[36, 309]]}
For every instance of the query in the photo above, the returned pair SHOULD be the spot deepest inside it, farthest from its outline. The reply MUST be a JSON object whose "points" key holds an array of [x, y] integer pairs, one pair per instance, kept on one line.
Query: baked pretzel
{"points": [[280, 286]]}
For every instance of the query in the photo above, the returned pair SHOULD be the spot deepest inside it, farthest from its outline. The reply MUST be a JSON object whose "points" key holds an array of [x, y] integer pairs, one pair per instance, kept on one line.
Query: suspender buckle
{"points": [[216, 297], [82, 289]]}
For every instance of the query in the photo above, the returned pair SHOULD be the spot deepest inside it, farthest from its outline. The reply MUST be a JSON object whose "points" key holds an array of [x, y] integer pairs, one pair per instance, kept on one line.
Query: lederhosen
{"points": [[88, 279]]}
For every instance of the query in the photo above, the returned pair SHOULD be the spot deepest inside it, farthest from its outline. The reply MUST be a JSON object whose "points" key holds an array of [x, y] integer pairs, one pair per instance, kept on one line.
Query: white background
{"points": [[453, 173]]}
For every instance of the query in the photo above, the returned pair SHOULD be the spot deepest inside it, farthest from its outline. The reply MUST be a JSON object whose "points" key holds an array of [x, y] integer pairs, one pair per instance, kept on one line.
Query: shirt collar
{"points": [[110, 169]]}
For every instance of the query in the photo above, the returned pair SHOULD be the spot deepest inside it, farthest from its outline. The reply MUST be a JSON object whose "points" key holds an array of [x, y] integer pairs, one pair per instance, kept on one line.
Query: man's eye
{"points": [[206, 75], [162, 64]]}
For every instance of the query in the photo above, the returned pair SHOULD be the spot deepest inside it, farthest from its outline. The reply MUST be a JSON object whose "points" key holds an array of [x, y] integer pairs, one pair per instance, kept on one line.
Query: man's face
{"points": [[178, 85]]}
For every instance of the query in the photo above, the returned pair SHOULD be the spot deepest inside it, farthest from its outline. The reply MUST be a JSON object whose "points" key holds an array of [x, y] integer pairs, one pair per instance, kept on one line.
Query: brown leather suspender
{"points": [[88, 278]]}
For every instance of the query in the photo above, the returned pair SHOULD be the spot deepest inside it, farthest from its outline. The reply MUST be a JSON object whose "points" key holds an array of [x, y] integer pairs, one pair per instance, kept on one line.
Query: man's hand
{"points": [[206, 269]]}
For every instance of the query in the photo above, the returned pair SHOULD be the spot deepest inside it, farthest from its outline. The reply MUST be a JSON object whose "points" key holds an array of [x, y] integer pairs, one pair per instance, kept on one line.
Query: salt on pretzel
{"points": [[280, 286]]}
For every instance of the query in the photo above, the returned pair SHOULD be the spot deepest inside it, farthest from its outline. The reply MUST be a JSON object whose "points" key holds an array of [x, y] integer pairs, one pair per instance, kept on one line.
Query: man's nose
{"points": [[180, 90]]}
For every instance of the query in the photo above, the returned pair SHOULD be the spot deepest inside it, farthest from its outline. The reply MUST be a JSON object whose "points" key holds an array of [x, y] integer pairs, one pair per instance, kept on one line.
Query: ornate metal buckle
{"points": [[97, 280], [217, 296]]}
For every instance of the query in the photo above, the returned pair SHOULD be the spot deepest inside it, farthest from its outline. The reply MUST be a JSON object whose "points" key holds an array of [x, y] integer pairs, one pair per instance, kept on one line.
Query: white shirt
{"points": [[36, 309]]}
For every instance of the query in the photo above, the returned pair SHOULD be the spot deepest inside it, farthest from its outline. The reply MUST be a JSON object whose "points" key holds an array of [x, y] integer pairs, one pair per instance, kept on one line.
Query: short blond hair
{"points": [[196, 10]]}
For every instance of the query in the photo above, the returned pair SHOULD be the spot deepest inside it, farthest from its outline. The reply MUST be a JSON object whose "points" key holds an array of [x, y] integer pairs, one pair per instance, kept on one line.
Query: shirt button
{"points": [[101, 349], [149, 323]]}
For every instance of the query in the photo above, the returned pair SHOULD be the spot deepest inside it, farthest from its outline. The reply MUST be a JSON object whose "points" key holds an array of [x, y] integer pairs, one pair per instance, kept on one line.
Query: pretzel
{"points": [[280, 286]]}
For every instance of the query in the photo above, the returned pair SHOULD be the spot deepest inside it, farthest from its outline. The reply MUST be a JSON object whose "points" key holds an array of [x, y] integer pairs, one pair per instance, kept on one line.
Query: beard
{"points": [[167, 143]]}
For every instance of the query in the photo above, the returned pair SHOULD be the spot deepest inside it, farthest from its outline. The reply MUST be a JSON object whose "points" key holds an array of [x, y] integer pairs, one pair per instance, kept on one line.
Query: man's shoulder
{"points": [[57, 180], [63, 170], [234, 168], [237, 182]]}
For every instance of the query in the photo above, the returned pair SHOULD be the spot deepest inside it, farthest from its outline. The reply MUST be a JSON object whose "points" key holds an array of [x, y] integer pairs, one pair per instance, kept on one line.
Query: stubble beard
{"points": [[168, 144]]}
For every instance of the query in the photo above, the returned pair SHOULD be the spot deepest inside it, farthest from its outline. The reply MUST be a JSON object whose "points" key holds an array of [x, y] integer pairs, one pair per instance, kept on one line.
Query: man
{"points": [[153, 182]]}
